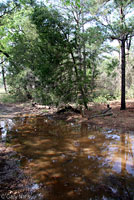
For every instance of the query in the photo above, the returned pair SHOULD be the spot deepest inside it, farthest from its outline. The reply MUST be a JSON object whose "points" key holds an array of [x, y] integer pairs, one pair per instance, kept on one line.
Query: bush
{"points": [[103, 98], [9, 98], [100, 99], [130, 92]]}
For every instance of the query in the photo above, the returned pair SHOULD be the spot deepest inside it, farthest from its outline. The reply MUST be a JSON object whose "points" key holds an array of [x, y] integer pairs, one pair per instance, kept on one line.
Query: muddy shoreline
{"points": [[120, 119], [15, 184]]}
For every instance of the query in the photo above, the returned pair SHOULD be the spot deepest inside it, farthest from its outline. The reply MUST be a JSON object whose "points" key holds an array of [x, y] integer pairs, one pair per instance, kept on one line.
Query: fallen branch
{"points": [[104, 113], [101, 115]]}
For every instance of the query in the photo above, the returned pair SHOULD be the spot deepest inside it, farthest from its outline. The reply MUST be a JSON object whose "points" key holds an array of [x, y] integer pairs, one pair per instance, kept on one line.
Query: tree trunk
{"points": [[123, 65], [3, 75], [4, 79], [84, 53], [78, 79]]}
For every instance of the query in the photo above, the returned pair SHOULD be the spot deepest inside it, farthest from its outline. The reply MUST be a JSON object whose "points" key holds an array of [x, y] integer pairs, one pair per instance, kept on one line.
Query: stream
{"points": [[72, 162]]}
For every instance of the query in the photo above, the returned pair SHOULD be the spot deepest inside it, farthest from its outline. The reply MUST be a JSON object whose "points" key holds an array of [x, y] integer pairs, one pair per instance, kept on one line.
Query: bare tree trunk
{"points": [[123, 65], [4, 79], [84, 54], [93, 79], [3, 75]]}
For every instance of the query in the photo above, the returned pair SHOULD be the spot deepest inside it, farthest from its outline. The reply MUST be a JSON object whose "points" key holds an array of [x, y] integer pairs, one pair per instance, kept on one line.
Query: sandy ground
{"points": [[120, 119]]}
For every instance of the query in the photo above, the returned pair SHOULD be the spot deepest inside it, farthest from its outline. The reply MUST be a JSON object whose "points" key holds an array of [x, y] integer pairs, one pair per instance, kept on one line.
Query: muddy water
{"points": [[70, 162]]}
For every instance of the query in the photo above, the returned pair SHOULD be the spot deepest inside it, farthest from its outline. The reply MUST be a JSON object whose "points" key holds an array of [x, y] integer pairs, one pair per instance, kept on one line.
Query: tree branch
{"points": [[6, 54]]}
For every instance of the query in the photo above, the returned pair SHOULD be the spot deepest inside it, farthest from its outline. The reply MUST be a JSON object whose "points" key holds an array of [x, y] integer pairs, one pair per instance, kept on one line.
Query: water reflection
{"points": [[5, 127], [71, 163]]}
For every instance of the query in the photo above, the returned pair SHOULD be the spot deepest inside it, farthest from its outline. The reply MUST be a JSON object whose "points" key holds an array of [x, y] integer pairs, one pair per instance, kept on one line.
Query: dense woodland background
{"points": [[67, 51]]}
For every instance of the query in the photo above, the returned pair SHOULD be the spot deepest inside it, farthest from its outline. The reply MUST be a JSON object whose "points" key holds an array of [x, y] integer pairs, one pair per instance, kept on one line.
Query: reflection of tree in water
{"points": [[73, 164], [123, 181], [127, 178]]}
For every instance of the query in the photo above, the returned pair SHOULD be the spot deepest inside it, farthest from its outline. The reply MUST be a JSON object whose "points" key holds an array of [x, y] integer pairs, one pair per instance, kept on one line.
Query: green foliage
{"points": [[100, 99], [55, 58], [110, 66], [11, 98], [40, 62], [104, 98], [72, 2], [130, 93]]}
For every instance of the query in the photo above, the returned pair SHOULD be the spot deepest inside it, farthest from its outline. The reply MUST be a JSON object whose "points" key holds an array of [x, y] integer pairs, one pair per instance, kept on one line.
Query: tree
{"points": [[4, 10], [38, 53], [115, 18], [3, 74], [117, 21], [84, 47]]}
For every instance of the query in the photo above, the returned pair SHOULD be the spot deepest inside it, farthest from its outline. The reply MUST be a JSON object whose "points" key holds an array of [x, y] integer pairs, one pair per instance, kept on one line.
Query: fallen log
{"points": [[67, 109]]}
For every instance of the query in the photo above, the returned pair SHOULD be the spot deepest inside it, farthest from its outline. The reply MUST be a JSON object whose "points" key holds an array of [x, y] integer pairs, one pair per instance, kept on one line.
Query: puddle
{"points": [[67, 162]]}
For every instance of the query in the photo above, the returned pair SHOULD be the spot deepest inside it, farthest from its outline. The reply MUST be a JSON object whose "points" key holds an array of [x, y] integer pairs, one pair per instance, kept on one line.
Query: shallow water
{"points": [[73, 162]]}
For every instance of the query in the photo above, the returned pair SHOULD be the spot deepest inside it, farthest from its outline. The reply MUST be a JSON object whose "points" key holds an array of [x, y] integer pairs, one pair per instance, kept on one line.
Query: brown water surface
{"points": [[70, 162]]}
